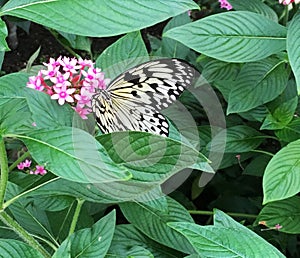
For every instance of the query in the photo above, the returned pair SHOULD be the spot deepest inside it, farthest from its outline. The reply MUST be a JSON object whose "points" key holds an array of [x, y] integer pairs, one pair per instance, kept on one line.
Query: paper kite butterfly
{"points": [[133, 100]]}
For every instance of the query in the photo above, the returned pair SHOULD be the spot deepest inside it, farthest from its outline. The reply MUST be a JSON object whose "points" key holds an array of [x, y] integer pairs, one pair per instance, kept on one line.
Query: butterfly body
{"points": [[133, 100]]}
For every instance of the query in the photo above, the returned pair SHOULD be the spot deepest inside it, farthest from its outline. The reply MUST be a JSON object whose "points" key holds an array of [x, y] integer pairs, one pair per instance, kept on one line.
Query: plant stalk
{"points": [[76, 216], [9, 221], [4, 172]]}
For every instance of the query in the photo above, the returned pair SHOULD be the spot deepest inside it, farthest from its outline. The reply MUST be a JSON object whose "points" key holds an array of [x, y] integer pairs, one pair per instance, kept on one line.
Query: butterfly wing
{"points": [[133, 100]]}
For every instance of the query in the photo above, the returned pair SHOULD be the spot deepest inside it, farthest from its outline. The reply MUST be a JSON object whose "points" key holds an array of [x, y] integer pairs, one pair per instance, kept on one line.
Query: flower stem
{"points": [[233, 214], [9, 221], [76, 216], [4, 171], [20, 159]]}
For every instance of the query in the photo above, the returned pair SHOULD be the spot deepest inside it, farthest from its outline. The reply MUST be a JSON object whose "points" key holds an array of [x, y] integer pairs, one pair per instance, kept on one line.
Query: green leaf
{"points": [[282, 176], [14, 115], [89, 242], [127, 52], [10, 248], [257, 166], [281, 116], [285, 213], [256, 6], [150, 157], [3, 35], [72, 154], [232, 36], [257, 83], [170, 47], [216, 70], [153, 222], [127, 237], [225, 241], [46, 113], [293, 47], [26, 214], [75, 41], [290, 132], [96, 18], [239, 139]]}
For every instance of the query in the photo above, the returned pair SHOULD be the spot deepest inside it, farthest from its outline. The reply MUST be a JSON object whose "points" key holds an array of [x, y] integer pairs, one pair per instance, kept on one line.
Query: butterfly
{"points": [[133, 100]]}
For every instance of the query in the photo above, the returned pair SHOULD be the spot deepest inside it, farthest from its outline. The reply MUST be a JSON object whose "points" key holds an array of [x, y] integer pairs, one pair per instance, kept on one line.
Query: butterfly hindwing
{"points": [[133, 100]]}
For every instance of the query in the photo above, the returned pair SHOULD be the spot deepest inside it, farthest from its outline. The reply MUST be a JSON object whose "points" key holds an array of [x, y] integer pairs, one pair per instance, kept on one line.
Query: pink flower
{"points": [[84, 98], [287, 2], [20, 166], [85, 63], [35, 82], [40, 170], [70, 80], [53, 63], [51, 72], [82, 112], [63, 94], [69, 65], [27, 163], [61, 79], [224, 4]]}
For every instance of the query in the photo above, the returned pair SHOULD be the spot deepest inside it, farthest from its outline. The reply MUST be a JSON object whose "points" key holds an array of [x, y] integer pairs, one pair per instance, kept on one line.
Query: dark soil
{"points": [[15, 60], [38, 36]]}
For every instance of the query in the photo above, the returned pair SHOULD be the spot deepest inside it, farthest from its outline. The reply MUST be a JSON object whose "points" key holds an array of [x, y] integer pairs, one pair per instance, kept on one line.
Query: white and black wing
{"points": [[133, 100]]}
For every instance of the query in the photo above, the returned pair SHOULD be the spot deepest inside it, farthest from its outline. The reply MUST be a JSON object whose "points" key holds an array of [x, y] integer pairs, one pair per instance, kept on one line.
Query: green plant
{"points": [[249, 136]]}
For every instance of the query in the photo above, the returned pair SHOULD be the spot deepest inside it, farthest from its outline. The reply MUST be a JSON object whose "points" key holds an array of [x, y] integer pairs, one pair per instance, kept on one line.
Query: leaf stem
{"points": [[12, 200], [9, 221], [4, 171], [233, 214], [76, 216], [264, 152]]}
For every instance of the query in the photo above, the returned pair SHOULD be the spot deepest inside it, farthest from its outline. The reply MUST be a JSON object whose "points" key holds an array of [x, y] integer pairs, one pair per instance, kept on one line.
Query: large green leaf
{"points": [[72, 154], [239, 36], [125, 53], [89, 242], [45, 112], [284, 213], [127, 237], [257, 83], [256, 6], [96, 18], [282, 176], [153, 222], [290, 132], [170, 47], [10, 248], [293, 47], [14, 114], [239, 139], [225, 240], [281, 116], [151, 157], [26, 214], [3, 35]]}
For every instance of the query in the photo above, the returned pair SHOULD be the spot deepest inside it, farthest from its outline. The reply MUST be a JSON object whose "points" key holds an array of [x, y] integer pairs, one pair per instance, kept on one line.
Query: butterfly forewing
{"points": [[133, 100]]}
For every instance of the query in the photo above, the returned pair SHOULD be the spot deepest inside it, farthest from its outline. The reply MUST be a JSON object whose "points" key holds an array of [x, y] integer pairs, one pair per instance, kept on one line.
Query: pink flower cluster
{"points": [[225, 4], [286, 2], [39, 170], [70, 80]]}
